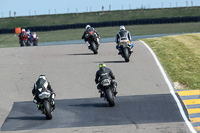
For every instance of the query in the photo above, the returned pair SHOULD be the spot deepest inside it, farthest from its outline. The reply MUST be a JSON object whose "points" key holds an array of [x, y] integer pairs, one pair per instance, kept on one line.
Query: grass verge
{"points": [[180, 56], [9, 40], [72, 18]]}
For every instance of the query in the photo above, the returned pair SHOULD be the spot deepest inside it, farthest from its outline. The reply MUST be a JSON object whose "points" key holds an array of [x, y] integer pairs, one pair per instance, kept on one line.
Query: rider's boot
{"points": [[131, 48], [53, 105], [88, 44], [115, 88], [101, 93], [120, 52], [39, 107]]}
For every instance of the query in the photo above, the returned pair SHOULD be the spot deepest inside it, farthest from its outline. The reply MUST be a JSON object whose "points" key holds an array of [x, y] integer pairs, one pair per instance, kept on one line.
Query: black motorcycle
{"points": [[29, 41], [45, 102], [92, 40], [125, 48], [108, 91]]}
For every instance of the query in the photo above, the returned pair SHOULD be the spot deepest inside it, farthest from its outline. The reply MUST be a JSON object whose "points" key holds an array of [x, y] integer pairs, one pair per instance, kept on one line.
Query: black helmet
{"points": [[43, 77]]}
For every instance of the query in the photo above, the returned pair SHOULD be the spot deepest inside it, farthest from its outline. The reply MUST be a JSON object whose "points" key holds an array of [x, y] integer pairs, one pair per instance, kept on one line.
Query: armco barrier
{"points": [[110, 23]]}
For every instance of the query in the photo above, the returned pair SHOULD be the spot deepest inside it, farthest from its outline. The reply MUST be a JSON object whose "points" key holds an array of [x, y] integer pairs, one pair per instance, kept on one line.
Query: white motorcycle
{"points": [[126, 49]]}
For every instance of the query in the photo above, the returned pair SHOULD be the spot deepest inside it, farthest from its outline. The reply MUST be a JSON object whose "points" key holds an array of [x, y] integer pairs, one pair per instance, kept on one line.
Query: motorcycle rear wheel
{"points": [[110, 97], [47, 110], [126, 54]]}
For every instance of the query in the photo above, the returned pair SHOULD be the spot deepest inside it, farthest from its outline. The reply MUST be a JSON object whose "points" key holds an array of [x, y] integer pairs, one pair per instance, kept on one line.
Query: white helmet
{"points": [[121, 27], [23, 30], [87, 26], [43, 77]]}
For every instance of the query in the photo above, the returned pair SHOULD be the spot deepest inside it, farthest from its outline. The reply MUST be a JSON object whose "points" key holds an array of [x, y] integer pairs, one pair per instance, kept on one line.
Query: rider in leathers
{"points": [[122, 34], [85, 35], [42, 83], [102, 74], [21, 34]]}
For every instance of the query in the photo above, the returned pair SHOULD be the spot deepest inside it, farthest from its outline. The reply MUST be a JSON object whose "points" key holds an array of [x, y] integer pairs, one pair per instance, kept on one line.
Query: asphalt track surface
{"points": [[144, 103]]}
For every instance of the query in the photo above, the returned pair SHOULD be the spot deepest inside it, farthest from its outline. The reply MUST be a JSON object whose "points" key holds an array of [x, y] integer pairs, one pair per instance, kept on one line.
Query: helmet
{"points": [[43, 77], [102, 65], [121, 27], [23, 30], [28, 32], [87, 27]]}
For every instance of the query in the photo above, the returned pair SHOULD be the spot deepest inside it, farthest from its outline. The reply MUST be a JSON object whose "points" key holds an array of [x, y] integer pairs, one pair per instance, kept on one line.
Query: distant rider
{"points": [[35, 35], [103, 73], [21, 34], [42, 83], [29, 34], [86, 35], [123, 34]]}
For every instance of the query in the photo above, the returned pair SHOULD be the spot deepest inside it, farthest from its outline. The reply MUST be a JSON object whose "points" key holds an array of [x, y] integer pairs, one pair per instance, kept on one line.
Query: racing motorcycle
{"points": [[29, 41], [92, 39], [23, 38], [108, 93], [125, 48], [35, 40], [45, 104]]}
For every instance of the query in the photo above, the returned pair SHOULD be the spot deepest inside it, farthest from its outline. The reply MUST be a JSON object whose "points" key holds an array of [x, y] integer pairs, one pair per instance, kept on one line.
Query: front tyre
{"points": [[126, 54], [110, 97], [93, 47], [22, 43], [47, 110], [28, 43], [35, 44]]}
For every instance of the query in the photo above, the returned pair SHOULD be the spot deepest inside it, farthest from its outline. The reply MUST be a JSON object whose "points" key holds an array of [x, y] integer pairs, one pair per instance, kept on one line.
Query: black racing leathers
{"points": [[123, 34], [100, 74], [105, 73], [40, 83], [85, 37]]}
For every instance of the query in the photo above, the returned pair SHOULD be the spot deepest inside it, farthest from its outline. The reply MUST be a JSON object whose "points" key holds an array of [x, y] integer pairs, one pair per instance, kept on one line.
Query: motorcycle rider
{"points": [[85, 35], [42, 83], [23, 32], [35, 35], [29, 34], [103, 73], [123, 34]]}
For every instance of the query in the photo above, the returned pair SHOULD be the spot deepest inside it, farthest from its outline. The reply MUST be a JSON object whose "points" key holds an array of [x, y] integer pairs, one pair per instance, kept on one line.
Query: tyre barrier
{"points": [[109, 23]]}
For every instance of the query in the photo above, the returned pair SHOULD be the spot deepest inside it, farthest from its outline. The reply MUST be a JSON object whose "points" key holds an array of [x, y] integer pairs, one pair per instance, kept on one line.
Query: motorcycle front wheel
{"points": [[22, 43], [28, 43], [93, 47]]}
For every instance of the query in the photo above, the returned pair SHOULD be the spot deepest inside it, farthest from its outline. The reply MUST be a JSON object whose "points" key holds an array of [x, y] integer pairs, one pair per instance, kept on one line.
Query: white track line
{"points": [[171, 89]]}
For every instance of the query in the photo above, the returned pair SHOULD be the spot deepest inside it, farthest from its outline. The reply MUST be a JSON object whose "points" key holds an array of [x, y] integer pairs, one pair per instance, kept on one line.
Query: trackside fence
{"points": [[110, 23]]}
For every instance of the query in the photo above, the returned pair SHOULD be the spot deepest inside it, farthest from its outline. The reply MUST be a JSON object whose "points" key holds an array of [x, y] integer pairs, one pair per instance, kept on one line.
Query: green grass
{"points": [[9, 40], [180, 56], [60, 19]]}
